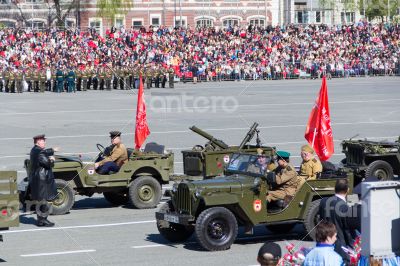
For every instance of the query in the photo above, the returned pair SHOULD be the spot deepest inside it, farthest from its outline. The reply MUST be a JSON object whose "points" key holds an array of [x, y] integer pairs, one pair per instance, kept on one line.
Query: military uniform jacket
{"points": [[310, 169], [119, 155], [287, 179]]}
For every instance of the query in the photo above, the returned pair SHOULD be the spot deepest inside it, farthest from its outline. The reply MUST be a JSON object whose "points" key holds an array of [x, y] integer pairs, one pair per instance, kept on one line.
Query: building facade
{"points": [[192, 13]]}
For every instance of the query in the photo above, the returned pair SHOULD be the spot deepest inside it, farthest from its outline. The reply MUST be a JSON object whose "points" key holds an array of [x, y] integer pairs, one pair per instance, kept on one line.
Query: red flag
{"points": [[142, 129], [319, 131]]}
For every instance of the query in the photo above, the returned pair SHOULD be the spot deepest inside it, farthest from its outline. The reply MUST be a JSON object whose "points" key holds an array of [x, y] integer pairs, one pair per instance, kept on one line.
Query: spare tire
{"points": [[312, 218], [379, 169]]}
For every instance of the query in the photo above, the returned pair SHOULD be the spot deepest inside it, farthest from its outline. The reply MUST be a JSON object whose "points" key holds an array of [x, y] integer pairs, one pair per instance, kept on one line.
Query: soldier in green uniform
{"points": [[102, 77], [12, 81], [28, 78], [60, 80], [1, 81], [71, 81], [121, 75], [54, 79], [163, 77], [6, 76], [18, 81], [108, 78], [35, 81], [127, 78], [171, 76], [95, 78], [84, 79], [148, 78], [157, 78], [310, 167], [42, 80], [115, 78], [136, 77], [78, 79]]}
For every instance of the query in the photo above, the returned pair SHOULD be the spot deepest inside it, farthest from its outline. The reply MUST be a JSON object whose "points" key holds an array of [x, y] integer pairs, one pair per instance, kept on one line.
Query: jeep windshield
{"points": [[248, 164]]}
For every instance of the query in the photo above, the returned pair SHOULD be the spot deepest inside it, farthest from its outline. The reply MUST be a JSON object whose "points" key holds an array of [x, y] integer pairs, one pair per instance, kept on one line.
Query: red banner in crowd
{"points": [[142, 129], [319, 132]]}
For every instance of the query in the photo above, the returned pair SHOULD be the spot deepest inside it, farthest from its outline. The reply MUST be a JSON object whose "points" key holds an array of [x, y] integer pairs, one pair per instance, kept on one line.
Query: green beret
{"points": [[283, 154]]}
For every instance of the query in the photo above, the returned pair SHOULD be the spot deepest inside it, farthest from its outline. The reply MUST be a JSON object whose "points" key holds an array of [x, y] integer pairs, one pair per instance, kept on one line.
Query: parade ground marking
{"points": [[77, 227], [58, 253]]}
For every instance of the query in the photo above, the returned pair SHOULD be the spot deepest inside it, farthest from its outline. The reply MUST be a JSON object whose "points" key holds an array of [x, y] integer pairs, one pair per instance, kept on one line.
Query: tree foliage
{"points": [[109, 9]]}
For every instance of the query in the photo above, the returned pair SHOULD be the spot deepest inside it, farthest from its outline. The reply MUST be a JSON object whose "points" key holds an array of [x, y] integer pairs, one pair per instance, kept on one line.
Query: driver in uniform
{"points": [[260, 166], [118, 156]]}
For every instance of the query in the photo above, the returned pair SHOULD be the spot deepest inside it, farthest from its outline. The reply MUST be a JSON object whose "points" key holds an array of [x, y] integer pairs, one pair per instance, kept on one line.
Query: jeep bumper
{"points": [[176, 218]]}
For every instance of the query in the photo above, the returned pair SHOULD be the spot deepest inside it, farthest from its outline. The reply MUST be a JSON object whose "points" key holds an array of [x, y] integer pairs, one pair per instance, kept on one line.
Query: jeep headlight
{"points": [[198, 192], [175, 187]]}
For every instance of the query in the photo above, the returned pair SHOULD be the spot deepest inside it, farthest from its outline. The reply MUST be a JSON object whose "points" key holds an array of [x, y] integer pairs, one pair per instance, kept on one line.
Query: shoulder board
{"points": [[289, 168], [314, 160]]}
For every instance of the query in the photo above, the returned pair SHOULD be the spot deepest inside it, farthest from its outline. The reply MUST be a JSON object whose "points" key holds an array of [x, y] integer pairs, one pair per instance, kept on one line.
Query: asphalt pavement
{"points": [[95, 233]]}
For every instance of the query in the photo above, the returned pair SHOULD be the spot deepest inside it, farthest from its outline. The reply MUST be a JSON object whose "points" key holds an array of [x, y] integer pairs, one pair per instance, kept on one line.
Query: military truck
{"points": [[214, 208], [209, 160], [138, 182], [9, 203], [367, 158]]}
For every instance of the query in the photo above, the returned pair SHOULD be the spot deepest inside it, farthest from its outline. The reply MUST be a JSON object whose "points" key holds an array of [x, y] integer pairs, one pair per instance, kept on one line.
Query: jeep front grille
{"points": [[182, 199], [355, 154]]}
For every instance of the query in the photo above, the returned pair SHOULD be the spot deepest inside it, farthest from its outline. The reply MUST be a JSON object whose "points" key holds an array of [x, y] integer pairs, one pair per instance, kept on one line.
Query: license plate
{"points": [[171, 218]]}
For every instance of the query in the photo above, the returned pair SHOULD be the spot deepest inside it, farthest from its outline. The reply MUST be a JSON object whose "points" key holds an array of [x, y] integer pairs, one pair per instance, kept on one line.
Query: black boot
{"points": [[43, 222]]}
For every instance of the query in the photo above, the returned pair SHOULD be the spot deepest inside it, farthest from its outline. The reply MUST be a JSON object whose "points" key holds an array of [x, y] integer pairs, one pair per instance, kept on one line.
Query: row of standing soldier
{"points": [[70, 80]]}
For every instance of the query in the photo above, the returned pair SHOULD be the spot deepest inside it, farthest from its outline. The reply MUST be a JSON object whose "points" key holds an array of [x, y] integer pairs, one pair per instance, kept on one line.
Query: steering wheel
{"points": [[100, 148]]}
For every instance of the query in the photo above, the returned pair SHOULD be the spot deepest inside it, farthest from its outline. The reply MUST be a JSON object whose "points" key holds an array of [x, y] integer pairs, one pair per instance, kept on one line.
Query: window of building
{"points": [[8, 23], [70, 23], [35, 24], [318, 17], [34, 1], [137, 24], [119, 22], [155, 21], [5, 2], [301, 17], [348, 18], [178, 21], [204, 23], [230, 22], [96, 24], [257, 22]]}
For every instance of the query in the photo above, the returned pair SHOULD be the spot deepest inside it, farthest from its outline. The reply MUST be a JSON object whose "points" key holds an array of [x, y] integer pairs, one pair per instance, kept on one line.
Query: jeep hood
{"points": [[224, 182]]}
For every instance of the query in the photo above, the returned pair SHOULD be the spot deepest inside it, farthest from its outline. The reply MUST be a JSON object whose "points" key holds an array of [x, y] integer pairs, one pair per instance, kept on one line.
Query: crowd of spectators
{"points": [[212, 54]]}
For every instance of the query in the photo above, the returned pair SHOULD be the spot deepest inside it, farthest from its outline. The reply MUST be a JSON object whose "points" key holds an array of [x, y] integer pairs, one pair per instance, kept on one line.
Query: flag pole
{"points": [[313, 139]]}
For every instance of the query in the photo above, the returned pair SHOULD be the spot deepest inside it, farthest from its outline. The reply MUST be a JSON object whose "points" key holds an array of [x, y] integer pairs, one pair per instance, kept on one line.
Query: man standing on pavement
{"points": [[115, 159], [41, 179], [335, 210]]}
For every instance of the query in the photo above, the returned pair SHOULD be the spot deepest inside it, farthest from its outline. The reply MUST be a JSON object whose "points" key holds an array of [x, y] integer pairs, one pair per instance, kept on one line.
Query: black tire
{"points": [[216, 229], [65, 199], [312, 218], [281, 228], [171, 231], [379, 169], [116, 198], [144, 192]]}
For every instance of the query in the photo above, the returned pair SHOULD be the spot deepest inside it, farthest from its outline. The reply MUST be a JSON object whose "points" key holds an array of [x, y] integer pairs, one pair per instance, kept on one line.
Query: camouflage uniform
{"points": [[54, 79], [18, 81], [6, 76], [95, 79], [84, 80], [102, 77], [78, 79], [157, 78], [163, 78], [148, 78], [1, 81], [12, 82], [108, 79], [42, 81]]}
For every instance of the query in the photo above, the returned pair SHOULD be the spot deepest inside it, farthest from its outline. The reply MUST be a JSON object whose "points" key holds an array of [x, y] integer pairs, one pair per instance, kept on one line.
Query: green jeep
{"points": [[214, 208], [138, 181], [380, 159], [9, 203]]}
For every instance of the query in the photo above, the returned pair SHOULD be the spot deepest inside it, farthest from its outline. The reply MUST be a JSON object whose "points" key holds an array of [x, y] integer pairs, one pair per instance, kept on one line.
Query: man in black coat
{"points": [[41, 179], [335, 210]]}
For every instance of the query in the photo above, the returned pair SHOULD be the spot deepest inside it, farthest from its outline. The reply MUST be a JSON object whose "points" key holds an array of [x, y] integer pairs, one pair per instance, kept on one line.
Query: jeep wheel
{"points": [[281, 228], [216, 229], [312, 218], [116, 198], [144, 192], [171, 231], [379, 169], [64, 200]]}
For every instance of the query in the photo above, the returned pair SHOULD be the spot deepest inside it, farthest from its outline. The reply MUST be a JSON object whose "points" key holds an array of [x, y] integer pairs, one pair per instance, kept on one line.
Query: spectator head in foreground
{"points": [[269, 254]]}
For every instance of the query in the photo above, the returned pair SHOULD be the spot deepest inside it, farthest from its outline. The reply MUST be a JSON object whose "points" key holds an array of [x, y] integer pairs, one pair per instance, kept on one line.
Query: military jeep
{"points": [[138, 182], [379, 159], [9, 203], [214, 208]]}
